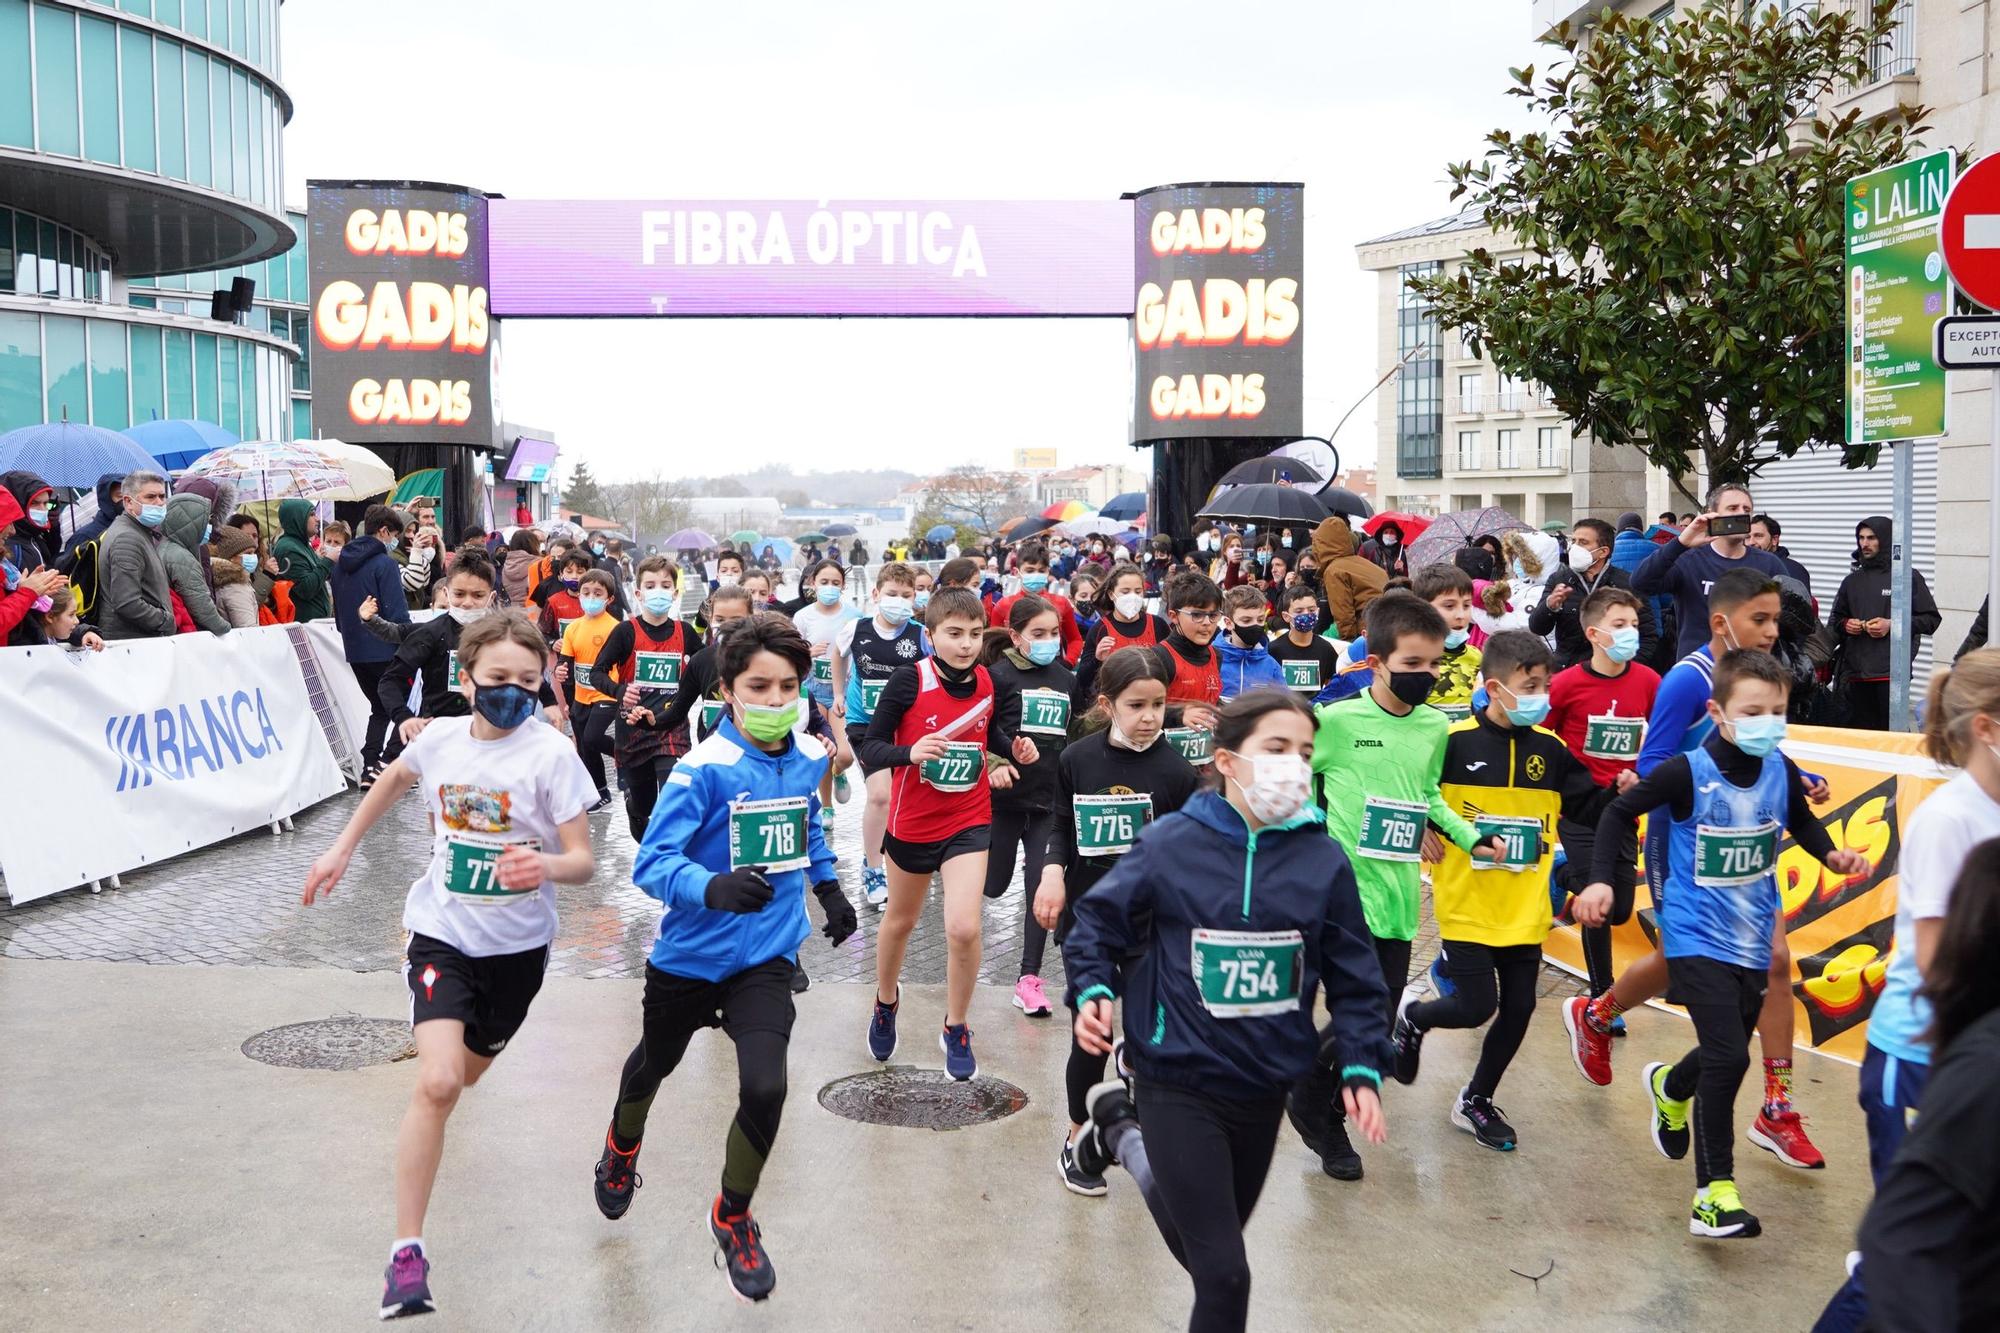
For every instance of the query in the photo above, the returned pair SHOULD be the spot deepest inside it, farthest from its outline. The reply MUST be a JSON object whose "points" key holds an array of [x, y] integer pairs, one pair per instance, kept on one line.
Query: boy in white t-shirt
{"points": [[502, 789]]}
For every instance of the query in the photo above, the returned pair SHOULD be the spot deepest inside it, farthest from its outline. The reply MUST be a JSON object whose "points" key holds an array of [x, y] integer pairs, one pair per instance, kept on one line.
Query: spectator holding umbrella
{"points": [[1860, 625], [1387, 551], [29, 544], [134, 601], [298, 562], [108, 510], [24, 590], [232, 559]]}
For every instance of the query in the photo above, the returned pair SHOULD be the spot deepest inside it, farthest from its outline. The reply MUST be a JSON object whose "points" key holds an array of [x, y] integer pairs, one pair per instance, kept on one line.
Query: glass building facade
{"points": [[141, 170]]}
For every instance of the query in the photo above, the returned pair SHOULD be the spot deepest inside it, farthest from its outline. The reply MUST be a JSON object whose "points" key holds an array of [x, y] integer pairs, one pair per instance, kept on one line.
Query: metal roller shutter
{"points": [[1818, 502]]}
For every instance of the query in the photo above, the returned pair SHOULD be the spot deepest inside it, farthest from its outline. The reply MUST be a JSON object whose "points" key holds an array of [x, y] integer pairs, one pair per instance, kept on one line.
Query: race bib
{"points": [[658, 671], [1108, 825], [580, 673], [562, 626], [1391, 830], [768, 835], [711, 715], [1196, 745], [472, 866], [1523, 839], [1248, 973], [1730, 858], [451, 669], [823, 670], [1045, 712], [1302, 674], [1454, 712], [959, 769], [871, 695], [1608, 736]]}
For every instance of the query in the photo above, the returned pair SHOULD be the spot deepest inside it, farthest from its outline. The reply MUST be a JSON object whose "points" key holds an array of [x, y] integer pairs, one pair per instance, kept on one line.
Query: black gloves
{"points": [[840, 920], [740, 891]]}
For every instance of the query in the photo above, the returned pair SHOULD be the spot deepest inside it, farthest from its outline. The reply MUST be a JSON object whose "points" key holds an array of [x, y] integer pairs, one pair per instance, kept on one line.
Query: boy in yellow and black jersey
{"points": [[1512, 779]]}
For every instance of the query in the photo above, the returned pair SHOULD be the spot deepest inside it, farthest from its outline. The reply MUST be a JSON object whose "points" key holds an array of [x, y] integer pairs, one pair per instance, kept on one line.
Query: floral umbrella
{"points": [[301, 469]]}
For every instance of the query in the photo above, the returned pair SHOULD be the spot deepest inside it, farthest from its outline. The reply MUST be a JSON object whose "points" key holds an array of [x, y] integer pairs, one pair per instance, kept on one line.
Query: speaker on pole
{"points": [[242, 291], [222, 307]]}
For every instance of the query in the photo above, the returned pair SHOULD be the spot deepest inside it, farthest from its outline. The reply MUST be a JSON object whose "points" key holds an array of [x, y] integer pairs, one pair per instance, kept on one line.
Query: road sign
{"points": [[1967, 342], [1970, 232], [1896, 288]]}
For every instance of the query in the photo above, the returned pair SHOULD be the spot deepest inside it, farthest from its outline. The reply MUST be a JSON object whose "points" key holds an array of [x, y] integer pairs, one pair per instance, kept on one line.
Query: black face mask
{"points": [[1248, 635], [951, 673], [1412, 687], [505, 706]]}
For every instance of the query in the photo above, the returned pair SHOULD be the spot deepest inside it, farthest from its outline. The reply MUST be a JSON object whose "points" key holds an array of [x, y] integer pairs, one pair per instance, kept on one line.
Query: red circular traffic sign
{"points": [[1969, 231]]}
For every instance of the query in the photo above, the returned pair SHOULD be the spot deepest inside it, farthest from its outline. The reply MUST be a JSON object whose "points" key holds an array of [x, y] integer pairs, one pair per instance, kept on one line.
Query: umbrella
{"points": [[425, 482], [689, 539], [1557, 526], [302, 469], [942, 532], [1064, 510], [1007, 528], [1263, 502], [1129, 506], [840, 529], [1094, 525], [1340, 500], [1448, 532], [1413, 525], [1030, 527], [175, 444], [742, 535], [1272, 469], [1318, 455], [780, 547], [812, 539], [68, 453]]}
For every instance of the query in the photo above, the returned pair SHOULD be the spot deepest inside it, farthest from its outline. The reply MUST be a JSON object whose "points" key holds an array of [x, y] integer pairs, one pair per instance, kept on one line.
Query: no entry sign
{"points": [[1970, 232]]}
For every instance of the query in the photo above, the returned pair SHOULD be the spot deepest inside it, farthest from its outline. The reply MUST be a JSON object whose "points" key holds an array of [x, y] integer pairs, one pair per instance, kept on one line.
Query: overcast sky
{"points": [[865, 99]]}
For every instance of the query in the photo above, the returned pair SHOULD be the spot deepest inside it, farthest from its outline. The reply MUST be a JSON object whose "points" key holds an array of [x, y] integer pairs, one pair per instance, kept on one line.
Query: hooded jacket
{"points": [[298, 562], [1244, 669], [1566, 623], [1865, 595], [235, 596], [366, 569], [1394, 561], [29, 544], [16, 597], [515, 577], [182, 551], [108, 511], [1351, 582], [1201, 868], [133, 599]]}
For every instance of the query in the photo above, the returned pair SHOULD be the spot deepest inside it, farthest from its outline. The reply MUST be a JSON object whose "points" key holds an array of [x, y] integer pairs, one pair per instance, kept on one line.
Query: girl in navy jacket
{"points": [[1237, 910]]}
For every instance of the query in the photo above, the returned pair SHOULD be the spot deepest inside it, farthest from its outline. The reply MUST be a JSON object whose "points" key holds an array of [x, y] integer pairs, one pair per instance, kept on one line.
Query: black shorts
{"points": [[925, 858], [1696, 980], [489, 995], [757, 999]]}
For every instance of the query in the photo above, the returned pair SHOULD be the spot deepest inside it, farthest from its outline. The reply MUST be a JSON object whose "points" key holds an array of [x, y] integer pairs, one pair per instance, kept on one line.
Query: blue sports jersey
{"points": [[1679, 721], [1722, 899], [874, 656]]}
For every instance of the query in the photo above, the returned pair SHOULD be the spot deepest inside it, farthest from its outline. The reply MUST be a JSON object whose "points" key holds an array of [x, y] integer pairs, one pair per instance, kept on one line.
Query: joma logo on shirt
{"points": [[1368, 743]]}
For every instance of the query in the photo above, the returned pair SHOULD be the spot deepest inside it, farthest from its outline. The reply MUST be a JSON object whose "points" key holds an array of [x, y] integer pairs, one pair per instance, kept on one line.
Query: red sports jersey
{"points": [[921, 810], [1149, 635], [1195, 684], [1595, 716]]}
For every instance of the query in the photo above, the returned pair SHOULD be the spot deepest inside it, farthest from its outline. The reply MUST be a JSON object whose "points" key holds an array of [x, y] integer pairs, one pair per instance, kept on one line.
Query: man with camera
{"points": [[1713, 543]]}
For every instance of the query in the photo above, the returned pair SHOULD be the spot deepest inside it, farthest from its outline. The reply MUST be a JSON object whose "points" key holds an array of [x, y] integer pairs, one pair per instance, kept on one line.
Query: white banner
{"points": [[152, 748]]}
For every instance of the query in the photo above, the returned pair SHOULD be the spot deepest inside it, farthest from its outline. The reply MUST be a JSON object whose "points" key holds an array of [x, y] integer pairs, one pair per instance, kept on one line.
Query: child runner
{"points": [[1309, 662], [1449, 590], [1376, 763], [1031, 692], [1743, 611], [932, 726], [1725, 803], [865, 654], [926, 581], [1122, 622], [504, 791], [1034, 570], [1194, 605], [1238, 912], [645, 659], [430, 652], [1084, 588], [697, 706], [560, 606], [820, 620], [758, 584], [1109, 785], [1599, 708], [1246, 662], [593, 711], [731, 851], [1506, 776]]}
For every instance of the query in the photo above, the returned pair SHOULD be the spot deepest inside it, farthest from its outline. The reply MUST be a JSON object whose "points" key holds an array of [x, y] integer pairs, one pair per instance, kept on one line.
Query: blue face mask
{"points": [[1043, 651], [207, 533], [658, 602], [1624, 645], [1455, 639], [249, 559], [592, 606], [1305, 621], [923, 599], [1035, 582], [1757, 736], [505, 706], [827, 594], [152, 515], [1528, 709]]}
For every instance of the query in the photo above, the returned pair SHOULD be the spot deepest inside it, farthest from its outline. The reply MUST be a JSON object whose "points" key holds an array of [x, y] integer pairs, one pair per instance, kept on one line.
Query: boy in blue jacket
{"points": [[733, 843], [1246, 660]]}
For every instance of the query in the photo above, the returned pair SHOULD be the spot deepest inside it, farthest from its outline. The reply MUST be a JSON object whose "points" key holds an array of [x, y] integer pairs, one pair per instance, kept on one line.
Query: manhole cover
{"points": [[333, 1043], [921, 1099]]}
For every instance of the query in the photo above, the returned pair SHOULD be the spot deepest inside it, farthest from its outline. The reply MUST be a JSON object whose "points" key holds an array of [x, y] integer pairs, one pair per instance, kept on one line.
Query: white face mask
{"points": [[1128, 605], [1580, 559], [1278, 787], [465, 615], [1124, 742]]}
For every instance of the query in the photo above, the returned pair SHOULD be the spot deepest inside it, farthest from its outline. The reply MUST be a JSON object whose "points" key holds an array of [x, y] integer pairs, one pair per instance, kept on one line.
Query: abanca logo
{"points": [[167, 743]]}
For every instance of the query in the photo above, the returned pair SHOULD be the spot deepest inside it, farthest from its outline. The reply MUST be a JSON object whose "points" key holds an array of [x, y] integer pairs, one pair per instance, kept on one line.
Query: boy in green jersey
{"points": [[1376, 763]]}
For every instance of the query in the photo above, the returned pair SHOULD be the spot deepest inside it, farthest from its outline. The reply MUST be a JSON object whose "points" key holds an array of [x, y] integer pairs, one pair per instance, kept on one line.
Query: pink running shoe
{"points": [[1029, 997]]}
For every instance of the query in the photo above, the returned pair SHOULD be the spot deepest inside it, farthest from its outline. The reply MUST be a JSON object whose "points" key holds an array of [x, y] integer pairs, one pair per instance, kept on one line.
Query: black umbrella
{"points": [[1032, 527], [1343, 501], [1262, 503], [1270, 469]]}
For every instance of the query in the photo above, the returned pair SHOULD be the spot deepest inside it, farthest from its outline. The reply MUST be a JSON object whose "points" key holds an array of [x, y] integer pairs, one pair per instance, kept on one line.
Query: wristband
{"points": [[1358, 1077], [1098, 993]]}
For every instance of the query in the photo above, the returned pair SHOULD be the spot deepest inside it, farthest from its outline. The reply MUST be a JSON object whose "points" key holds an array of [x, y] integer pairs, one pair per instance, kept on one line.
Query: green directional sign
{"points": [[1897, 288]]}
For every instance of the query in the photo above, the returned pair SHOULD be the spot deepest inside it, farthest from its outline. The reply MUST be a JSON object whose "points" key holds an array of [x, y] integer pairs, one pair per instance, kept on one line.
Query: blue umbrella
{"points": [[839, 530], [176, 444], [68, 453], [943, 532], [780, 547], [1126, 507]]}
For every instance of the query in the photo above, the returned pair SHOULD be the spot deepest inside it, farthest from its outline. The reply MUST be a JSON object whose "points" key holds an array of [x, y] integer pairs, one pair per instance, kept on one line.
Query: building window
{"points": [[1896, 55], [1468, 393], [1548, 446], [1510, 393], [1509, 450], [1468, 451], [1420, 385]]}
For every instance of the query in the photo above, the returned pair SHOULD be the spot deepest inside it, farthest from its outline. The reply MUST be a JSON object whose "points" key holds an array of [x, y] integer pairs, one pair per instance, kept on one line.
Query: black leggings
{"points": [[1475, 968], [755, 1008], [1200, 1163], [642, 789], [1027, 831], [1579, 845], [592, 724], [1393, 956], [1724, 1001]]}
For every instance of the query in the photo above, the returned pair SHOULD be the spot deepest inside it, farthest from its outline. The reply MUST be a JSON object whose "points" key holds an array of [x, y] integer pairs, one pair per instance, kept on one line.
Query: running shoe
{"points": [[1030, 998], [1589, 1048], [1309, 1106], [740, 1245], [801, 983], [603, 802], [826, 819], [1670, 1118], [1336, 1153], [1479, 1117], [882, 1028], [1441, 981], [615, 1178], [1408, 1042], [406, 1286], [1784, 1136], [875, 886], [1077, 1180], [1719, 1214], [956, 1043], [842, 789], [369, 773], [1108, 1105]]}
